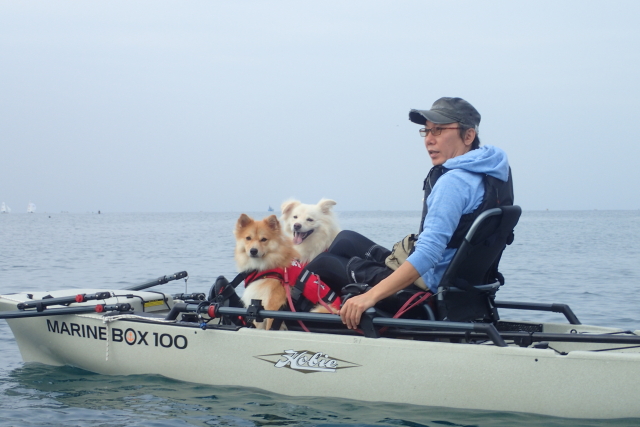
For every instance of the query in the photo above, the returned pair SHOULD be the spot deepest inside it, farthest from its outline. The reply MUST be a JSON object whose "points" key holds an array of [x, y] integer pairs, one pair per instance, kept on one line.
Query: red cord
{"points": [[320, 300], [408, 306]]}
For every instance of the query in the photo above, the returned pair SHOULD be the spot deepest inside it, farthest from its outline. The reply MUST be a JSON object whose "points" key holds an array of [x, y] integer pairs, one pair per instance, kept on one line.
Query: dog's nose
{"points": [[253, 251], [297, 226]]}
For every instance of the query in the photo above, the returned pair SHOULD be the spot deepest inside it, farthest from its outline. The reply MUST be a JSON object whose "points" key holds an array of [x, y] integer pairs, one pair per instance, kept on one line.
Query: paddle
{"points": [[159, 281], [99, 308], [41, 304]]}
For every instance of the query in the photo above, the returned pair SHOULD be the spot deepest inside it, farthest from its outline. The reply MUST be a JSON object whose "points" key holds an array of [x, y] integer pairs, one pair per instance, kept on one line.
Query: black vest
{"points": [[496, 193]]}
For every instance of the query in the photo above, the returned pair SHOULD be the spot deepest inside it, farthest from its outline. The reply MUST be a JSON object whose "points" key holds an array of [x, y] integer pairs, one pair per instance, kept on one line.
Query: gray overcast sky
{"points": [[143, 106]]}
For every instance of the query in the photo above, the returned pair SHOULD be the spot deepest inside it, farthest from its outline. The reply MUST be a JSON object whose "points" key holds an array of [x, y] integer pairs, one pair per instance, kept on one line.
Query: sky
{"points": [[174, 106]]}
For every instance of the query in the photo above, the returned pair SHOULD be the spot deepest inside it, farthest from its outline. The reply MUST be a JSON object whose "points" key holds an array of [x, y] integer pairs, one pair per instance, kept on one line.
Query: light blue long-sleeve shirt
{"points": [[456, 193]]}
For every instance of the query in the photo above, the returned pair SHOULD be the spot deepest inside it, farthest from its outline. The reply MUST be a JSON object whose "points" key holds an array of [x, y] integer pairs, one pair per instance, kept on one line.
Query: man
{"points": [[456, 196]]}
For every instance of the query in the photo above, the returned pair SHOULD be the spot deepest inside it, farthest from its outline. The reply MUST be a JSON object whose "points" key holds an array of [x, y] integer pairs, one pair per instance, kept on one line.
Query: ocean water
{"points": [[587, 259]]}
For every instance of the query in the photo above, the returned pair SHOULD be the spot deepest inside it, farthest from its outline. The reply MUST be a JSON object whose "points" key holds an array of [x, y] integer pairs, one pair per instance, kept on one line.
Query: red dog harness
{"points": [[313, 289]]}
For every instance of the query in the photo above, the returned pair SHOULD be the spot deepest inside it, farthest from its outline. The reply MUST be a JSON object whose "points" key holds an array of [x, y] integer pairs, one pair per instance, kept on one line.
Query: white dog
{"points": [[313, 227]]}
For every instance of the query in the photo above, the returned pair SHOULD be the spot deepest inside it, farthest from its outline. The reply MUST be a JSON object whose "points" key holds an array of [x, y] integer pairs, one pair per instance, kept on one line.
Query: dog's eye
{"points": [[310, 219], [248, 237], [295, 217], [264, 239]]}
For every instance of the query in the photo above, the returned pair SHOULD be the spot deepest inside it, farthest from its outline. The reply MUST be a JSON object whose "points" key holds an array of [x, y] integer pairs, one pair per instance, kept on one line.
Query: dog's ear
{"points": [[272, 222], [288, 206], [243, 221], [325, 205]]}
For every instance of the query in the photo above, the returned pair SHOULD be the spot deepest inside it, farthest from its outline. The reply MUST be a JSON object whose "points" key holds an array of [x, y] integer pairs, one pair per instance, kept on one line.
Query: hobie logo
{"points": [[306, 361], [301, 361]]}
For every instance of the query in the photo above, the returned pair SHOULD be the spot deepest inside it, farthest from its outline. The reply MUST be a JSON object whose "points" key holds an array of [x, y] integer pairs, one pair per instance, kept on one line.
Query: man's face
{"points": [[447, 145]]}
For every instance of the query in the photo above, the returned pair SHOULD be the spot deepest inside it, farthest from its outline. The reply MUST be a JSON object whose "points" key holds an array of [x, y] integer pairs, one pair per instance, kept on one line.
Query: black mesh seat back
{"points": [[476, 264]]}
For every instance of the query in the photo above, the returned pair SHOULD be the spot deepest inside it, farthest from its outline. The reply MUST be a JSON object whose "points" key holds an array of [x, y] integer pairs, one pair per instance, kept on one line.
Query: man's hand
{"points": [[352, 310]]}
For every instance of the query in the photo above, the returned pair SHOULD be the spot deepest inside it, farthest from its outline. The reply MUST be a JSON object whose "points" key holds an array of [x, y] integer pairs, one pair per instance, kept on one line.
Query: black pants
{"points": [[351, 258]]}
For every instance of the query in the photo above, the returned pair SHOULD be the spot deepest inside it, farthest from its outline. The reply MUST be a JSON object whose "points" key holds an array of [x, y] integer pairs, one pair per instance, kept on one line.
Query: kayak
{"points": [[557, 369]]}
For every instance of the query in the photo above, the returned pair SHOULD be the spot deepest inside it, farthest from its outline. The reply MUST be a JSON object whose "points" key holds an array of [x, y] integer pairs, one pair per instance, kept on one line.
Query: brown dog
{"points": [[262, 246]]}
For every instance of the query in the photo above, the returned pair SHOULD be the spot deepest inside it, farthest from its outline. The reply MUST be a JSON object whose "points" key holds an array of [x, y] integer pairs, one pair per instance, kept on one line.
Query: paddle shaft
{"points": [[62, 311], [45, 302], [159, 281]]}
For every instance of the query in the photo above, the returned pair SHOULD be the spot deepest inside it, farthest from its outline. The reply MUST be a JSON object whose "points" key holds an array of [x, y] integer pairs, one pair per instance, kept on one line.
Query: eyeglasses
{"points": [[435, 131]]}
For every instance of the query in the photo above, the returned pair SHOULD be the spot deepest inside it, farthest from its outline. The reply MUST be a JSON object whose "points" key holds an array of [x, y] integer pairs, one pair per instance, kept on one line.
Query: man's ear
{"points": [[469, 136]]}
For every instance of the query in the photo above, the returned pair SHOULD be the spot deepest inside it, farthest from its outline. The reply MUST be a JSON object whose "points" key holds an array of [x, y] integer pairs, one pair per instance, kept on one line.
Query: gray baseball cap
{"points": [[447, 110]]}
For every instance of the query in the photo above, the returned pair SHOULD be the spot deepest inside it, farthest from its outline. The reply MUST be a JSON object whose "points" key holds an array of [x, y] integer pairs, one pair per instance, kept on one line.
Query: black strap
{"points": [[433, 175], [298, 288], [239, 278]]}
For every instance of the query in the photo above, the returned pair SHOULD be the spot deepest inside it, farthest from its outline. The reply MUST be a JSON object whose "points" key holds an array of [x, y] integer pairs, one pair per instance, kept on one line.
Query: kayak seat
{"points": [[467, 290], [224, 294]]}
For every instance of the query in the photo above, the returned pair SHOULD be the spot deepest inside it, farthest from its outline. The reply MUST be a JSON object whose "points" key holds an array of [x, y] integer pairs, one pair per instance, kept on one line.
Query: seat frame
{"points": [[467, 290]]}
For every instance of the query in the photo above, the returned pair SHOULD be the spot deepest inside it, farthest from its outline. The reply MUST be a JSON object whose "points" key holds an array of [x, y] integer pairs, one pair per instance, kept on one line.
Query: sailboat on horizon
{"points": [[4, 208], [31, 207]]}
